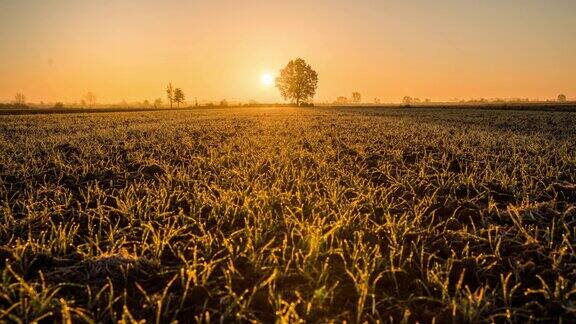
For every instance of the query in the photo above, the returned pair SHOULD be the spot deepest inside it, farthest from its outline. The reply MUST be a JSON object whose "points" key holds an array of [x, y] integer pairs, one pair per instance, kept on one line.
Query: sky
{"points": [[58, 50]]}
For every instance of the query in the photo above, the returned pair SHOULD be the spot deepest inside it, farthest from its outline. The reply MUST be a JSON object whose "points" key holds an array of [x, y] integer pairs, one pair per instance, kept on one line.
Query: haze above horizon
{"points": [[129, 50]]}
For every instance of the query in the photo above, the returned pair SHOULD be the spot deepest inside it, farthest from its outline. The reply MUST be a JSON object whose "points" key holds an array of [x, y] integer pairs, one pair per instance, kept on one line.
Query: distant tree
{"points": [[562, 98], [179, 96], [89, 99], [407, 100], [377, 101], [427, 100], [59, 105], [297, 81], [341, 100], [20, 99], [170, 94], [356, 97], [223, 103], [146, 103], [158, 103]]}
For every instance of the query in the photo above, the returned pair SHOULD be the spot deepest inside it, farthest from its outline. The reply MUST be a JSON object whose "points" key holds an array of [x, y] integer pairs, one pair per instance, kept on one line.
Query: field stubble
{"points": [[289, 214]]}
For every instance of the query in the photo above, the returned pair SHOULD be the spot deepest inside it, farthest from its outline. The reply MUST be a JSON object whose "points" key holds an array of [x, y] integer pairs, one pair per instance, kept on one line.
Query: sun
{"points": [[267, 79]]}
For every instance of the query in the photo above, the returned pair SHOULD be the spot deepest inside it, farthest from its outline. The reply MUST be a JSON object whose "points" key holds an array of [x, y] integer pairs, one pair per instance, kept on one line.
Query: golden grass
{"points": [[288, 215]]}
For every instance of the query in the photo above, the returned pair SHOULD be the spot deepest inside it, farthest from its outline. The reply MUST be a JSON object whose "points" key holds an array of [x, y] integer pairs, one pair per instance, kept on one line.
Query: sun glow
{"points": [[266, 79]]}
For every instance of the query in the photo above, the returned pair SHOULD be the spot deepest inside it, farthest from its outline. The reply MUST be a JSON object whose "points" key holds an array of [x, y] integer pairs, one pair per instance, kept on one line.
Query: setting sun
{"points": [[267, 80]]}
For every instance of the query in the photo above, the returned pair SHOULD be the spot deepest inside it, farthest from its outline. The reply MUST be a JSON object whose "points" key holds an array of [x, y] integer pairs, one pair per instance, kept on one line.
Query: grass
{"points": [[288, 215]]}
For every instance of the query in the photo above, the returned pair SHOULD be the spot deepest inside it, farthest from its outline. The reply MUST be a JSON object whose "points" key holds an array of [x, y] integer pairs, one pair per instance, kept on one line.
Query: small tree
{"points": [[59, 105], [20, 99], [561, 98], [89, 99], [407, 100], [297, 81], [158, 103], [341, 100], [356, 97], [178, 96], [170, 94], [223, 103]]}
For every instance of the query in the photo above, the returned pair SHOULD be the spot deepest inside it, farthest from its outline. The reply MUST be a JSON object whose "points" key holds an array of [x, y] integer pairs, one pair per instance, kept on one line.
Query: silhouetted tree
{"points": [[158, 103], [170, 94], [178, 96], [20, 99], [407, 100], [341, 100], [90, 99], [58, 105], [561, 98], [223, 103], [297, 81], [146, 103], [356, 97]]}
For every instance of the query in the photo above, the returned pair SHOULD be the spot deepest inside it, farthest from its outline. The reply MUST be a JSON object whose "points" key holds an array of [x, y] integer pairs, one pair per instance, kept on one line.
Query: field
{"points": [[287, 214]]}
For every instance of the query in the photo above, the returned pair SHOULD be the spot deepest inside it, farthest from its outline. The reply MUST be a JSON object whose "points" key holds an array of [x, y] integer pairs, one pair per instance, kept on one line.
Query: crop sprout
{"points": [[289, 215]]}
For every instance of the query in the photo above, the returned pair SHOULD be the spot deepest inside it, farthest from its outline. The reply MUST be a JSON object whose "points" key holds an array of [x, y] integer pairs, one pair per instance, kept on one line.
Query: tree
{"points": [[59, 105], [89, 99], [20, 99], [178, 97], [356, 97], [223, 103], [562, 98], [170, 94], [297, 81], [341, 100], [158, 103], [407, 100]]}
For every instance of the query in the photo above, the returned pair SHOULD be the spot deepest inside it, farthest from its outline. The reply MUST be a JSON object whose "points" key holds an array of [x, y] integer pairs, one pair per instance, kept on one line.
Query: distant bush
{"points": [[58, 105]]}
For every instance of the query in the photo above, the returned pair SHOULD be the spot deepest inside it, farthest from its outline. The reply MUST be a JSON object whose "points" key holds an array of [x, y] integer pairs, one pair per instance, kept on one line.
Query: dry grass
{"points": [[288, 214]]}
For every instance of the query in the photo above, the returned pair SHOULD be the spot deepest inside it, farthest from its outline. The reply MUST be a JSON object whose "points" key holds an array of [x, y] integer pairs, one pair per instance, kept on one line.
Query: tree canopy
{"points": [[178, 96], [297, 81]]}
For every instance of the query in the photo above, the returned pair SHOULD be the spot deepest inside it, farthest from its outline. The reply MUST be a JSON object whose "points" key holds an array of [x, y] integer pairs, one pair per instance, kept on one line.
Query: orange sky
{"points": [[129, 50]]}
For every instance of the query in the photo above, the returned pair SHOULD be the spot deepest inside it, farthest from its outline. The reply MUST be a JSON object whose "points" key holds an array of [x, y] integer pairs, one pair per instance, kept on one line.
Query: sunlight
{"points": [[267, 79]]}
